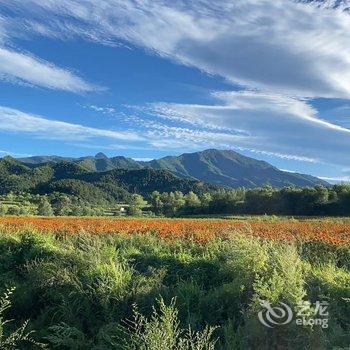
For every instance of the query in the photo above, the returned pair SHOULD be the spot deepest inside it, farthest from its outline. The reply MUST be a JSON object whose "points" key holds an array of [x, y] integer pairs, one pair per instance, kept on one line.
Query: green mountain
{"points": [[100, 162], [34, 160], [217, 167], [77, 179], [231, 169]]}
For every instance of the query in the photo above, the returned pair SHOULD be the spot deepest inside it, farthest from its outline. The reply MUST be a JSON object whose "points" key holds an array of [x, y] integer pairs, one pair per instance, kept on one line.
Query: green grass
{"points": [[142, 292]]}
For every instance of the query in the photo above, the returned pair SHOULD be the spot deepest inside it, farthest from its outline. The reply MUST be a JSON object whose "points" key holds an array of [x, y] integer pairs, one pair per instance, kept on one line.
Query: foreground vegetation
{"points": [[141, 291]]}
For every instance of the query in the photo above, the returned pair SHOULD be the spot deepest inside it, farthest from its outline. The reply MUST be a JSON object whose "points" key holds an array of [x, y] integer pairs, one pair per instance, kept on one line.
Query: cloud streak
{"points": [[24, 68], [12, 120], [276, 125], [17, 66], [280, 46]]}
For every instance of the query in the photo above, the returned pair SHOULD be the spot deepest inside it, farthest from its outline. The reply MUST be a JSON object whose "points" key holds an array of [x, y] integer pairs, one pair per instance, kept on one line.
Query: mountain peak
{"points": [[101, 155], [218, 167], [231, 169]]}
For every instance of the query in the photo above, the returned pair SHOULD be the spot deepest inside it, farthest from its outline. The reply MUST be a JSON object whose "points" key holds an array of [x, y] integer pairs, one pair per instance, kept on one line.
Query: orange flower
{"points": [[201, 230]]}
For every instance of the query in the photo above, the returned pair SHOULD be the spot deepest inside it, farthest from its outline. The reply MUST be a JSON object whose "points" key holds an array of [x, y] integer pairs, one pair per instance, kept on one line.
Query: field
{"points": [[335, 232], [151, 284]]}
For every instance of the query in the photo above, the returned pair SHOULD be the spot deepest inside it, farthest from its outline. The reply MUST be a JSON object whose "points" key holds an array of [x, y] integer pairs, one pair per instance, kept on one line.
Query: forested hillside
{"points": [[69, 188], [95, 187], [217, 167]]}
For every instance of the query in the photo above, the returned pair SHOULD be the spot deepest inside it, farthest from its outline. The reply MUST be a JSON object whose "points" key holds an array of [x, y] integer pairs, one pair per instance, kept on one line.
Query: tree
{"points": [[14, 210], [261, 200], [23, 210], [62, 205], [205, 199], [172, 202], [3, 210], [179, 201], [192, 200], [136, 203], [156, 202], [192, 203], [44, 207]]}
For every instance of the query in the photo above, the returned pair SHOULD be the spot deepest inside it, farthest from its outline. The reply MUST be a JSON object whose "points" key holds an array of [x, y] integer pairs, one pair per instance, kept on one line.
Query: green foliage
{"points": [[162, 331], [136, 203], [17, 338], [3, 210], [218, 167], [291, 201], [83, 186], [80, 189], [79, 291], [75, 188], [44, 207]]}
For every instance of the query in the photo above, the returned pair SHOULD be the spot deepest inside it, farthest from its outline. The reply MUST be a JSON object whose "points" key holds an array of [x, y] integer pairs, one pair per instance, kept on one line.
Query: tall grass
{"points": [[143, 292]]}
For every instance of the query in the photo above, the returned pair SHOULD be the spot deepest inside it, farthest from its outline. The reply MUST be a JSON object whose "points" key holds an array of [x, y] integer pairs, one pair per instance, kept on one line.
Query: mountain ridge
{"points": [[217, 167], [73, 179]]}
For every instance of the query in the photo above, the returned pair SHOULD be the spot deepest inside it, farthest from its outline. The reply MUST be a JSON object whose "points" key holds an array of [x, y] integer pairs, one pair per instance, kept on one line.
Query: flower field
{"points": [[106, 283], [201, 230]]}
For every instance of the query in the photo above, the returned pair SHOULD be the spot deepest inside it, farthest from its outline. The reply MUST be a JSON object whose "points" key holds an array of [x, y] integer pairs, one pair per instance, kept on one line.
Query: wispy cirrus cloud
{"points": [[22, 67], [25, 68], [275, 125], [281, 46], [12, 120]]}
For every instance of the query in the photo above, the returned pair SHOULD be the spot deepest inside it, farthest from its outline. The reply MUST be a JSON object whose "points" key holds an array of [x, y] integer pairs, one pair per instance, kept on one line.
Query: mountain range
{"points": [[93, 187], [217, 167]]}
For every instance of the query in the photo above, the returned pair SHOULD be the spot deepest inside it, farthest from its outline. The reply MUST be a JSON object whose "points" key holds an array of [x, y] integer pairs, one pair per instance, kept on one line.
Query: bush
{"points": [[44, 207], [3, 210], [19, 337], [79, 291], [162, 331]]}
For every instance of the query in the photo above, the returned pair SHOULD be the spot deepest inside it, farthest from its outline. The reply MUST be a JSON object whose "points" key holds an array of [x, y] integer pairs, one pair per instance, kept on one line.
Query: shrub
{"points": [[18, 337], [162, 331]]}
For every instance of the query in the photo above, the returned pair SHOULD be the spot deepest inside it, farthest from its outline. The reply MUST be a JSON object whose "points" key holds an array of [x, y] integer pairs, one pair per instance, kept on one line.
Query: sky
{"points": [[150, 78]]}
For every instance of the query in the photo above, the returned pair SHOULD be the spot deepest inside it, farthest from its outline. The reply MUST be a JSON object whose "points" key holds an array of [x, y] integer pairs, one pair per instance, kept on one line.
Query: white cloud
{"points": [[13, 154], [143, 159], [104, 110], [270, 124], [280, 46], [344, 179], [342, 5], [25, 68], [12, 120]]}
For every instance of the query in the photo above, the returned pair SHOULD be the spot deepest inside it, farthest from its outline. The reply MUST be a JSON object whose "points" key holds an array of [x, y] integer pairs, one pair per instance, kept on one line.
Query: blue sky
{"points": [[146, 79]]}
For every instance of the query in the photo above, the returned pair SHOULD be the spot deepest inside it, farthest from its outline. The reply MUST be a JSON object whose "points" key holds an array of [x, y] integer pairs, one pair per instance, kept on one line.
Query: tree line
{"points": [[293, 201], [315, 201]]}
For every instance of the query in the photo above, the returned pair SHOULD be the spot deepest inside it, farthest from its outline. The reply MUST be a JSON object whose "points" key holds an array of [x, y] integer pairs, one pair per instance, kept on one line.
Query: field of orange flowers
{"points": [[328, 231]]}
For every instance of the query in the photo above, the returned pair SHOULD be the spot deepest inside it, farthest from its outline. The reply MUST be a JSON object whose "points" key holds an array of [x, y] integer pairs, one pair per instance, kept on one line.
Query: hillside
{"points": [[231, 169], [99, 162], [77, 179], [217, 167]]}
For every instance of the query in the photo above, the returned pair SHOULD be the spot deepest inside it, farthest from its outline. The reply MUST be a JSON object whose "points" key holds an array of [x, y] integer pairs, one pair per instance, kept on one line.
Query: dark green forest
{"points": [[66, 188], [292, 201]]}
